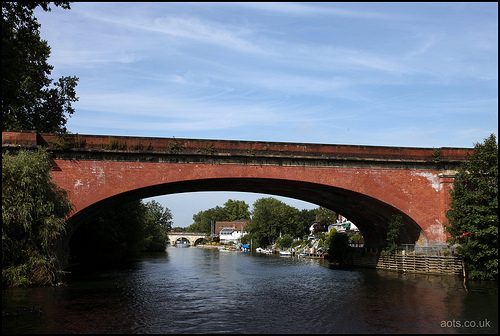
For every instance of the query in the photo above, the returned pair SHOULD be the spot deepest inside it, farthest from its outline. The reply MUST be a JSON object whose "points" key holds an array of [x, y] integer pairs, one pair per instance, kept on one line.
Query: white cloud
{"points": [[301, 9], [267, 68]]}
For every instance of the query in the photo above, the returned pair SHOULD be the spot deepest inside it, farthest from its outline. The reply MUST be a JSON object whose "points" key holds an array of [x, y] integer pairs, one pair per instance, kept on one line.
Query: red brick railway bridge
{"points": [[367, 184]]}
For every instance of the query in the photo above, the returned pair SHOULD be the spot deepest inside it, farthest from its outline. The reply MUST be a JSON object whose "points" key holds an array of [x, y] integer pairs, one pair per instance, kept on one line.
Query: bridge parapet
{"points": [[188, 233], [123, 146]]}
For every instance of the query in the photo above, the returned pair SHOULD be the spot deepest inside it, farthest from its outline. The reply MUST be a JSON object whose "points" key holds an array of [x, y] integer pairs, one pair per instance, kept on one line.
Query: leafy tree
{"points": [[393, 230], [285, 241], [336, 246], [114, 234], [231, 211], [237, 210], [327, 215], [306, 218], [203, 219], [158, 222], [473, 217], [29, 101], [122, 231], [33, 218], [270, 219]]}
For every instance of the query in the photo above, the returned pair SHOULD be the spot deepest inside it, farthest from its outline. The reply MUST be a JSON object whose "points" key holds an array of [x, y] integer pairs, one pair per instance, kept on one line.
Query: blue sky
{"points": [[389, 74]]}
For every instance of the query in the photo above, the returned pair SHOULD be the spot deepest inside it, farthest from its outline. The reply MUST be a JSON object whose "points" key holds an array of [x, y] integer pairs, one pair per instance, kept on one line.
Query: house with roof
{"points": [[343, 225], [230, 231]]}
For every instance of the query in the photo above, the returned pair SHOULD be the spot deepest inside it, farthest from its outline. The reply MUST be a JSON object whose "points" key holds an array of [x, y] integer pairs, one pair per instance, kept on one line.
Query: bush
{"points": [[473, 217], [285, 241], [337, 245], [33, 218]]}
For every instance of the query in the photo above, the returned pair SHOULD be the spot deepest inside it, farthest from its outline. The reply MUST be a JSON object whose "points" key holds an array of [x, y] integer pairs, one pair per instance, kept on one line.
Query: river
{"points": [[200, 290]]}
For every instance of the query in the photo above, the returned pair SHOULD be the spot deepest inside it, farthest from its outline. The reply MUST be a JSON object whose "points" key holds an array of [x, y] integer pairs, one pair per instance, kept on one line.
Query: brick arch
{"points": [[369, 214], [367, 184]]}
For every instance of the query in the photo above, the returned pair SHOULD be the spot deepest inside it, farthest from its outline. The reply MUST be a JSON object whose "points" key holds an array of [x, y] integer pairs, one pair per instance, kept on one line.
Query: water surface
{"points": [[197, 290]]}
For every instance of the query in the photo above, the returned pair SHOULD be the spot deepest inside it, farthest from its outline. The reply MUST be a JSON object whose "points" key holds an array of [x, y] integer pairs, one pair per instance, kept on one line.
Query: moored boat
{"points": [[181, 244], [261, 250]]}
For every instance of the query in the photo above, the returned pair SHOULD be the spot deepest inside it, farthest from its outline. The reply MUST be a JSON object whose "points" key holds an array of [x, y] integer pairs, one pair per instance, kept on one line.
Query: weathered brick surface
{"points": [[366, 184], [26, 138]]}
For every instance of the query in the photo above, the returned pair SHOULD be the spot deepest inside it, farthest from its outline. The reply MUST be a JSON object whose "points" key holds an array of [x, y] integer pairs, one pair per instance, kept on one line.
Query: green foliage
{"points": [[355, 238], [436, 154], [66, 141], [175, 147], [110, 236], [327, 215], [270, 218], [158, 222], [231, 211], [337, 245], [121, 232], [33, 218], [203, 219], [473, 218], [236, 210], [306, 219], [29, 101], [285, 241], [393, 230]]}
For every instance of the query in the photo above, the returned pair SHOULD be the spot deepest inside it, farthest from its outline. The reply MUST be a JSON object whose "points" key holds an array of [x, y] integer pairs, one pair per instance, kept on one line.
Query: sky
{"points": [[384, 74]]}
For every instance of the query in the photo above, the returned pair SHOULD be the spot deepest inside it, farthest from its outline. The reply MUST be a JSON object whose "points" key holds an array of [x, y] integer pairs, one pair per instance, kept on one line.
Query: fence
{"points": [[412, 263]]}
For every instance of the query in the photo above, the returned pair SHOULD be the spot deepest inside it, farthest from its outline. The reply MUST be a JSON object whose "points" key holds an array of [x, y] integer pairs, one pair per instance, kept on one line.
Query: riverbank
{"points": [[272, 251], [407, 263]]}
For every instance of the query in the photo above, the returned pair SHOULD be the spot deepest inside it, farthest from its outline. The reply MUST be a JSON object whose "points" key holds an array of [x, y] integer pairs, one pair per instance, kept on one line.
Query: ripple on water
{"points": [[205, 291]]}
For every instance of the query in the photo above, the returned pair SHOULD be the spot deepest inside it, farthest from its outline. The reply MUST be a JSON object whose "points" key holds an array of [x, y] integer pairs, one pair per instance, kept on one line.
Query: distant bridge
{"points": [[192, 237], [367, 184]]}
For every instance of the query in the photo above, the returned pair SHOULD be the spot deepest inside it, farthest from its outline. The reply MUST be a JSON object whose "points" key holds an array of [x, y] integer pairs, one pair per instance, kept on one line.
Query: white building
{"points": [[343, 225], [230, 231], [229, 234]]}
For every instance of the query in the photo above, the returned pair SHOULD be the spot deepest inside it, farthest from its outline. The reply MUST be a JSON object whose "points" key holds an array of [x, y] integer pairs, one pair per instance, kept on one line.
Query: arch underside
{"points": [[192, 241], [370, 215]]}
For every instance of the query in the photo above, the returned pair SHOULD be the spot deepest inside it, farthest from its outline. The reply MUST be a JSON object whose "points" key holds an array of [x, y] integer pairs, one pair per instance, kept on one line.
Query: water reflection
{"points": [[194, 290]]}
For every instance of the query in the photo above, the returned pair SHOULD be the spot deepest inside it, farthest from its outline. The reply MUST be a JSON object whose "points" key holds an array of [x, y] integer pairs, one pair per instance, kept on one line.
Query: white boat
{"points": [[261, 250], [285, 253]]}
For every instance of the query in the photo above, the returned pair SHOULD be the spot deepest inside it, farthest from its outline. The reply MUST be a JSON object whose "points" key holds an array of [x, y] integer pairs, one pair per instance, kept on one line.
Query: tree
{"points": [[29, 102], [237, 210], [393, 230], [306, 219], [33, 218], [114, 234], [272, 218], [203, 219], [231, 211], [473, 217], [327, 215], [285, 241], [158, 222], [121, 232], [337, 246]]}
